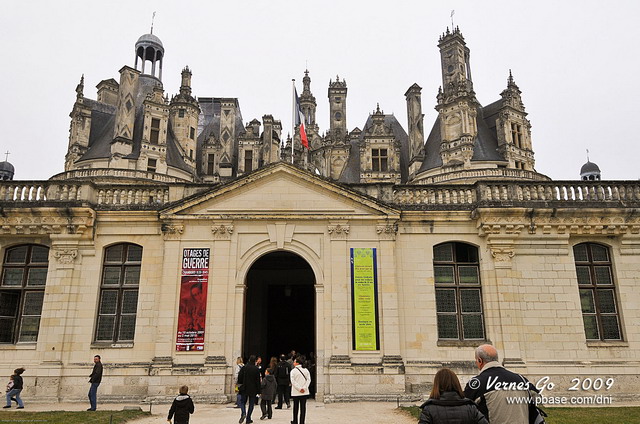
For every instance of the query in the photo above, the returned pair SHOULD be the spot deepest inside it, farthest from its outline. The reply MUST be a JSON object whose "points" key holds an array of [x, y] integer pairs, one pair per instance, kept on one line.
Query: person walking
{"points": [[268, 392], [300, 381], [14, 393], [9, 384], [497, 405], [95, 379], [447, 404], [236, 371], [182, 407], [249, 379], [283, 370]]}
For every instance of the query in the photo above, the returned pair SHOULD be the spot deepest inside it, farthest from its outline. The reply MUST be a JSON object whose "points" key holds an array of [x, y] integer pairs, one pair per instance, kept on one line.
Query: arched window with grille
{"points": [[597, 292], [118, 301], [24, 276], [458, 292]]}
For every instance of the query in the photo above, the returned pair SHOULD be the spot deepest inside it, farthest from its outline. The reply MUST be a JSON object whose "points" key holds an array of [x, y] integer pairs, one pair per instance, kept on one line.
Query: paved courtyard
{"points": [[317, 413]]}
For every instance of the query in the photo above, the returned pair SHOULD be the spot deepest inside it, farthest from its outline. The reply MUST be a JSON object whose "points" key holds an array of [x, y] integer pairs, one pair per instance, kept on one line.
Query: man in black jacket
{"points": [[249, 379], [95, 379], [284, 382]]}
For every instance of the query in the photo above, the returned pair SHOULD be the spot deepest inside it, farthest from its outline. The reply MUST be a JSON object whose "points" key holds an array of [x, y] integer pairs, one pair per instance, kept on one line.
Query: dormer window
{"points": [[379, 160], [248, 160], [210, 163], [516, 134], [154, 135], [151, 165]]}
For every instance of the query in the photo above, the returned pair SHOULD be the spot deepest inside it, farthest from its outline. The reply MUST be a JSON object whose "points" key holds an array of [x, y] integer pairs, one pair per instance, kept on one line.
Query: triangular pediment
{"points": [[281, 190]]}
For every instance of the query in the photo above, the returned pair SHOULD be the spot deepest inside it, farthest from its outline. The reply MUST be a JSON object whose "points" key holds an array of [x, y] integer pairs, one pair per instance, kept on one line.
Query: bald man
{"points": [[492, 388]]}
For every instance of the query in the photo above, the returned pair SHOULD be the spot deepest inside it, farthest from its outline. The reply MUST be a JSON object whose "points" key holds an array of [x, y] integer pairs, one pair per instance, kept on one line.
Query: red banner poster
{"points": [[193, 300]]}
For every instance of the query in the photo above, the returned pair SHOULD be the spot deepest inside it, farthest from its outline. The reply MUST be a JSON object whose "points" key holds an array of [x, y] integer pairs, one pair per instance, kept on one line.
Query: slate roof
{"points": [[209, 121], [485, 145], [351, 173], [149, 39], [589, 167], [6, 167], [103, 118]]}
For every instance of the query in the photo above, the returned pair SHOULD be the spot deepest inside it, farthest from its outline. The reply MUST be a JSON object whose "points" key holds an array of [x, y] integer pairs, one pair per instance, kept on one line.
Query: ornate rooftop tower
{"points": [[308, 101], [457, 104], [183, 115], [337, 108], [513, 129], [416, 128], [150, 48], [469, 142]]}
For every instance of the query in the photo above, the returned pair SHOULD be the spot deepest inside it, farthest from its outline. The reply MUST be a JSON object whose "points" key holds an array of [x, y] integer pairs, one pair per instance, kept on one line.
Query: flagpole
{"points": [[293, 116]]}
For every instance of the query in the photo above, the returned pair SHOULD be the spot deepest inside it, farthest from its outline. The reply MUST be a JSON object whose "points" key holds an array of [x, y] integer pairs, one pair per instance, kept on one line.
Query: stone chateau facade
{"points": [[386, 253]]}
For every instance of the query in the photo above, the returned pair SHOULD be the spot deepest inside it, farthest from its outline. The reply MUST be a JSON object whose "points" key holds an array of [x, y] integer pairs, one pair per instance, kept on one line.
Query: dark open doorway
{"points": [[279, 307]]}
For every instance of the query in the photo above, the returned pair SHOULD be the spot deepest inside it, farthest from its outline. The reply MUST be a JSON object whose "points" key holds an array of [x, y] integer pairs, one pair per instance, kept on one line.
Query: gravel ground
{"points": [[317, 413]]}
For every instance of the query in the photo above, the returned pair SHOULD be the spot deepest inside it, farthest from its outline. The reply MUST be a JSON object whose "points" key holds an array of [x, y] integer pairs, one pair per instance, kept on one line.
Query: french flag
{"points": [[300, 121]]}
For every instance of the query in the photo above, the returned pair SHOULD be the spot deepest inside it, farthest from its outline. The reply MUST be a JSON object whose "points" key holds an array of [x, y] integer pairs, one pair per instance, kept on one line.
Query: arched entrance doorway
{"points": [[280, 307]]}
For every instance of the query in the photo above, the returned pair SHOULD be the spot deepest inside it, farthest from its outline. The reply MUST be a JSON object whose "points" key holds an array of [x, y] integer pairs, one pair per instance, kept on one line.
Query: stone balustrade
{"points": [[484, 173], [20, 192], [38, 191], [494, 194], [132, 174], [117, 196], [510, 193], [560, 191], [435, 195]]}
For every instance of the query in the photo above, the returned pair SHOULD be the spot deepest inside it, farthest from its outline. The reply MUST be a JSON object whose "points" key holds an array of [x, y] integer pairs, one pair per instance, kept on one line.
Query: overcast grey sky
{"points": [[576, 63]]}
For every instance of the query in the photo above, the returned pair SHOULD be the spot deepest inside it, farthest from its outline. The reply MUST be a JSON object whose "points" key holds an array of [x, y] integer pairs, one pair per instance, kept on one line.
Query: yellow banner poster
{"points": [[364, 296]]}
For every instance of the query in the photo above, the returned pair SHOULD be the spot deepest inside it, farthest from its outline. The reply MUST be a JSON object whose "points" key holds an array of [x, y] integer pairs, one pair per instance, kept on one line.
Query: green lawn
{"points": [[67, 417], [610, 415]]}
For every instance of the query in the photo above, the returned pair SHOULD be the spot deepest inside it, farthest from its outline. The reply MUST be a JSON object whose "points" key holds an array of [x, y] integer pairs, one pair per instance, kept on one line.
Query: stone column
{"points": [[508, 301], [222, 323], [338, 296], [166, 315], [55, 337], [337, 305], [389, 315]]}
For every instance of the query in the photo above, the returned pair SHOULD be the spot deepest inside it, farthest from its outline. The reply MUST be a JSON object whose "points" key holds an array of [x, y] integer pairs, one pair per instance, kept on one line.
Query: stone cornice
{"points": [[44, 221], [554, 222]]}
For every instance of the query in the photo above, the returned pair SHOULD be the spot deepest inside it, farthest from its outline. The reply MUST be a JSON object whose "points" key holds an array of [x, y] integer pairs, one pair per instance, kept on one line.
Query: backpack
{"points": [[283, 367]]}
